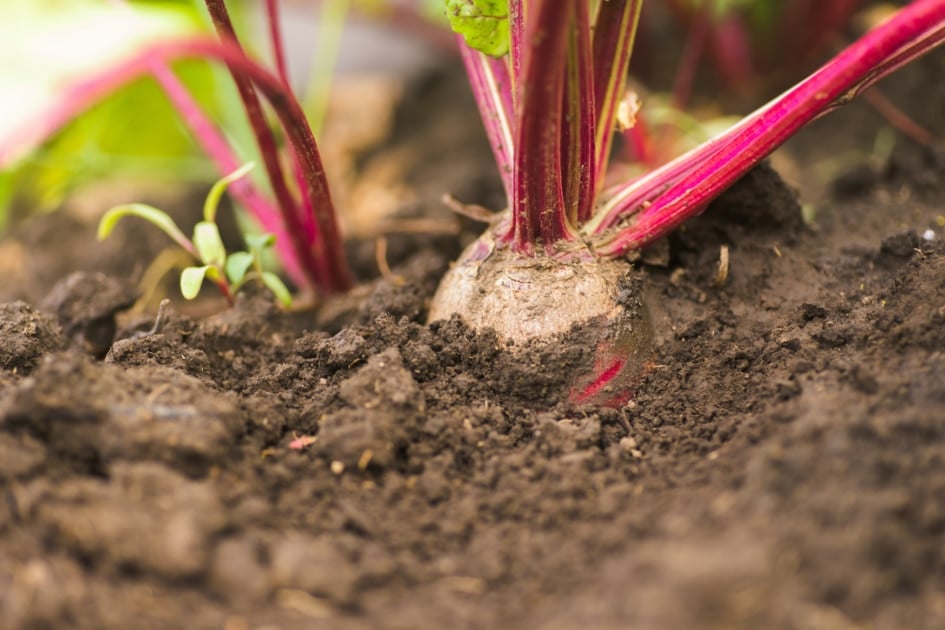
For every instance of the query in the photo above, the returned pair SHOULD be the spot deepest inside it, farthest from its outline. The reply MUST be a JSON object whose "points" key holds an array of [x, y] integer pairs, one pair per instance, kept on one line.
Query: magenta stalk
{"points": [[491, 86], [538, 206], [695, 179]]}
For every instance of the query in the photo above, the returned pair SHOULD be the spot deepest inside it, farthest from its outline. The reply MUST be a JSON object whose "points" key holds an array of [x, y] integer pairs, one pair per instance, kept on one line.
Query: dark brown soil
{"points": [[781, 466]]}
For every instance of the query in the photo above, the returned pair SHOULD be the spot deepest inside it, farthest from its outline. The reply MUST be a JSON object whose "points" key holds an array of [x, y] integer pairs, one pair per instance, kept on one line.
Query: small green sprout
{"points": [[228, 272]]}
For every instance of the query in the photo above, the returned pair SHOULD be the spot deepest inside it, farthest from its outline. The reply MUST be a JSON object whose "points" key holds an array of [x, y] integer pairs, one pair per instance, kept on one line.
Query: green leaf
{"points": [[237, 264], [212, 201], [278, 289], [209, 245], [191, 279], [484, 24], [156, 217]]}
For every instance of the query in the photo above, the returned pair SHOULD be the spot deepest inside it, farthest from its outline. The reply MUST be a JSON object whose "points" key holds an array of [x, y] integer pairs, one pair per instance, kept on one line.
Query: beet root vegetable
{"points": [[572, 297]]}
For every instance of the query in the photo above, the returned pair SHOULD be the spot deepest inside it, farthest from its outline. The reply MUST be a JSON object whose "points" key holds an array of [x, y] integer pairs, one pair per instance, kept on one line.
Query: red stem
{"points": [[330, 257], [264, 138], [275, 40], [899, 119], [224, 287], [538, 210], [324, 255], [277, 43]]}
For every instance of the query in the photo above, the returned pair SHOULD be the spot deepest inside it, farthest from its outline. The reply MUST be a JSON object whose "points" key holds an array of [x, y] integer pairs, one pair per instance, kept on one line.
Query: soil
{"points": [[782, 464]]}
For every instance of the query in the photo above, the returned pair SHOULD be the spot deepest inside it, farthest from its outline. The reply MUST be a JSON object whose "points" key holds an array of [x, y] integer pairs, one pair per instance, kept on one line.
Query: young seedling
{"points": [[549, 77], [229, 272], [299, 211]]}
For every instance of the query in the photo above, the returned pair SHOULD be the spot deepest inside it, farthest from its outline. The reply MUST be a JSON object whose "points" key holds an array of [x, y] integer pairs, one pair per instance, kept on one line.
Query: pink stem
{"points": [[623, 198], [491, 86], [915, 29]]}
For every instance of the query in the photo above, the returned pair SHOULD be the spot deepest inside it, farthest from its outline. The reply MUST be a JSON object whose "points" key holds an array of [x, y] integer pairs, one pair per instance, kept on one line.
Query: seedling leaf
{"points": [[278, 289], [156, 217], [191, 279], [484, 24], [212, 202], [209, 244], [259, 242], [237, 264]]}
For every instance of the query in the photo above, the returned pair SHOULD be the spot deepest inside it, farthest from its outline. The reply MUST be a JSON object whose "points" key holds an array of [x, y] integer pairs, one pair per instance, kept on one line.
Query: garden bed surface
{"points": [[781, 465]]}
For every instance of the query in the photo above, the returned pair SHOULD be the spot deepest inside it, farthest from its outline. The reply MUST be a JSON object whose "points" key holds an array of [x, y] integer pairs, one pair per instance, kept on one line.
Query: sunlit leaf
{"points": [[237, 264], [135, 134], [212, 201], [51, 43], [191, 279], [209, 245], [484, 24], [152, 215]]}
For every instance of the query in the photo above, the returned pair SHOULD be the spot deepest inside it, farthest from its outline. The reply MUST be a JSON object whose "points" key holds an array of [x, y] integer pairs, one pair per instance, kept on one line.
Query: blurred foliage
{"points": [[759, 9], [134, 133]]}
